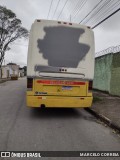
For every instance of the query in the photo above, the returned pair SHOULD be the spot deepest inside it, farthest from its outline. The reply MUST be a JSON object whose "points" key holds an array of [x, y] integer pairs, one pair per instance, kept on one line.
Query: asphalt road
{"points": [[28, 129]]}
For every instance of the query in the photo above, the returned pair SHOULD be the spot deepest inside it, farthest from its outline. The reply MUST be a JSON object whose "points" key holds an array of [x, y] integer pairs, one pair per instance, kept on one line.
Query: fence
{"points": [[113, 49], [107, 70]]}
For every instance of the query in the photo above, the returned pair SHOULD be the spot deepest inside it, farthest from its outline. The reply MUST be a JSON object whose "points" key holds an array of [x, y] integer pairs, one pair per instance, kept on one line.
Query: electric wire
{"points": [[77, 7], [49, 8], [95, 19], [106, 18], [80, 9], [97, 11], [62, 9], [56, 8], [74, 9], [71, 7], [90, 11], [109, 10], [102, 11]]}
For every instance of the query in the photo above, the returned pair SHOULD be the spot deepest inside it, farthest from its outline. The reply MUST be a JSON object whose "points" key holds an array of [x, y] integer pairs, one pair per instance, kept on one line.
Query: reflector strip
{"points": [[60, 82]]}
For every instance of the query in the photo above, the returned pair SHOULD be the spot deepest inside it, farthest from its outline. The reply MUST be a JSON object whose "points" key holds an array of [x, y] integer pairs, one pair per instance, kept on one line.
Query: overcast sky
{"points": [[106, 35]]}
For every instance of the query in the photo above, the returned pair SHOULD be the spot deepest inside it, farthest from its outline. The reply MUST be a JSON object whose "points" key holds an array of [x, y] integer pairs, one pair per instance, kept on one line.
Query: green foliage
{"points": [[10, 30]]}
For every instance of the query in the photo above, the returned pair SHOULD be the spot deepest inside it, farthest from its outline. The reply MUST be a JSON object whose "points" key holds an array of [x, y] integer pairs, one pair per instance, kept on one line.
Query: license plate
{"points": [[66, 88]]}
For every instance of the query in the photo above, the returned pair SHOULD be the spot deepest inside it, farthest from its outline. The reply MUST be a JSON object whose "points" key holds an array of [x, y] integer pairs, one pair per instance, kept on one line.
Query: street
{"points": [[31, 129]]}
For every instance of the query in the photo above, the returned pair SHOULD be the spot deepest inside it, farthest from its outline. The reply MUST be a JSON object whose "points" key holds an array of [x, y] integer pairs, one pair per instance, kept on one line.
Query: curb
{"points": [[104, 119], [2, 81]]}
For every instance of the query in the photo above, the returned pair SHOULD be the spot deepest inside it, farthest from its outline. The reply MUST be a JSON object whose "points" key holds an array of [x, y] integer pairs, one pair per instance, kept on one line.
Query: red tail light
{"points": [[90, 85], [29, 83]]}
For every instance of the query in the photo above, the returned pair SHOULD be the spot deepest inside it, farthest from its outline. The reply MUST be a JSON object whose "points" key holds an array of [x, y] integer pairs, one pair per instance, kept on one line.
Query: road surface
{"points": [[29, 129]]}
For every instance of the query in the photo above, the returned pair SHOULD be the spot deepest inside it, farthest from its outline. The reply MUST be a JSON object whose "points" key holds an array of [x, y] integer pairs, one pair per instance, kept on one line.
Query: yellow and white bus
{"points": [[60, 67]]}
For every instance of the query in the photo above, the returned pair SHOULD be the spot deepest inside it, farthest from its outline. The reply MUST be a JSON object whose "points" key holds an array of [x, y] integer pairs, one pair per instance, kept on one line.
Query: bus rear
{"points": [[60, 65]]}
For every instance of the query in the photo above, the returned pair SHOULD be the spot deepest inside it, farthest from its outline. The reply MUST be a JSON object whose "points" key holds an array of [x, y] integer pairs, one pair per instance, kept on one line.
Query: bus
{"points": [[60, 64]]}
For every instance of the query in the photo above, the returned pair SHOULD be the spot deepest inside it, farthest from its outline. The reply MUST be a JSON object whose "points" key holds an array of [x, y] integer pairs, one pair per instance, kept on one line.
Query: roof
{"points": [[11, 64]]}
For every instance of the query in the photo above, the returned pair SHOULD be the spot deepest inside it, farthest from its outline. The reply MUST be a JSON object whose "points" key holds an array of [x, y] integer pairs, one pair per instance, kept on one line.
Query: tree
{"points": [[10, 30]]}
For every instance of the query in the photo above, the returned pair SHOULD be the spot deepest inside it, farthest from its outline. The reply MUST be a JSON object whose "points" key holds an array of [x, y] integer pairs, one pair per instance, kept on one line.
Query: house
{"points": [[11, 70], [14, 70], [5, 72], [25, 70], [21, 72]]}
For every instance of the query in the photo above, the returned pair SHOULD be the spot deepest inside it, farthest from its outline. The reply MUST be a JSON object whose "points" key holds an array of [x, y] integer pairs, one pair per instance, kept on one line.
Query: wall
{"points": [[107, 73], [115, 75], [5, 72], [14, 69], [102, 73], [0, 73]]}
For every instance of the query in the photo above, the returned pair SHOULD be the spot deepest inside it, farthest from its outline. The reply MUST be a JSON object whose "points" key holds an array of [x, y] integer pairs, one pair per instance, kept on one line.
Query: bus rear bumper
{"points": [[56, 101]]}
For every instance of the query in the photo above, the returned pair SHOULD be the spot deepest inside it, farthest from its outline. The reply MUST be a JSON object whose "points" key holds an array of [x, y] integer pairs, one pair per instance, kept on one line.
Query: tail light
{"points": [[29, 83], [90, 85]]}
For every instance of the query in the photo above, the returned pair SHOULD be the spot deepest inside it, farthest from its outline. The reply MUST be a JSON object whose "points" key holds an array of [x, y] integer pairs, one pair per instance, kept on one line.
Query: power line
{"points": [[82, 5], [50, 8], [110, 9], [71, 7], [97, 11], [106, 18], [101, 11], [56, 8], [91, 11], [77, 7], [62, 9]]}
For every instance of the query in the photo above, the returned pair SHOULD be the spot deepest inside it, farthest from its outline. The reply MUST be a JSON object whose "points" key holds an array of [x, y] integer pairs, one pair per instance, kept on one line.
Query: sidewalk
{"points": [[4, 80], [107, 106]]}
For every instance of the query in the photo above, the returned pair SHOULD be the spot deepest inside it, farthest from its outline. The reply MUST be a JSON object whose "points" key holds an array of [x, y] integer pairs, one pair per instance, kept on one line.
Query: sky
{"points": [[106, 35]]}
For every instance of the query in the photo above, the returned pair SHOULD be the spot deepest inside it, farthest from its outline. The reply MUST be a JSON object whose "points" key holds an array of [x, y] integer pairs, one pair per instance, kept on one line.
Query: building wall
{"points": [[14, 69], [8, 70], [107, 73], [0, 73], [115, 75], [5, 72], [21, 73], [102, 73]]}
